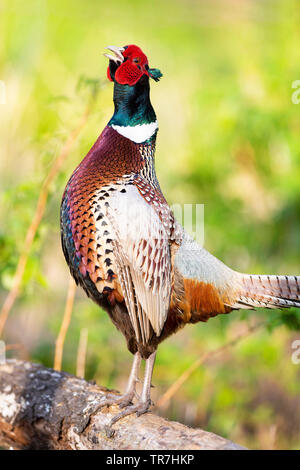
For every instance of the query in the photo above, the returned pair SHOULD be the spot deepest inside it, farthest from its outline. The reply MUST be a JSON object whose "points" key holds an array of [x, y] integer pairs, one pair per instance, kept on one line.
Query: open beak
{"points": [[118, 57]]}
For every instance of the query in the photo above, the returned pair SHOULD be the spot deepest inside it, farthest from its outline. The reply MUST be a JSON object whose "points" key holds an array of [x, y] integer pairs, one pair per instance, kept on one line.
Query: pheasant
{"points": [[127, 251]]}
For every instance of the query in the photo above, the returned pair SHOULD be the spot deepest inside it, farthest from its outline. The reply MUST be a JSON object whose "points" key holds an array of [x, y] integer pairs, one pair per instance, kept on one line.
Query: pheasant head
{"points": [[134, 116], [129, 65]]}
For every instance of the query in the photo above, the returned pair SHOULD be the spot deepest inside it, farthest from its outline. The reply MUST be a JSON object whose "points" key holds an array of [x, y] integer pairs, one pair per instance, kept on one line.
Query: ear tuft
{"points": [[155, 74]]}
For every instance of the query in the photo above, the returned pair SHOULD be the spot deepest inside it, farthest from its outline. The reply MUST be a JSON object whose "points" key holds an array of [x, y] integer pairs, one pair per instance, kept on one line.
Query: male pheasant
{"points": [[126, 250]]}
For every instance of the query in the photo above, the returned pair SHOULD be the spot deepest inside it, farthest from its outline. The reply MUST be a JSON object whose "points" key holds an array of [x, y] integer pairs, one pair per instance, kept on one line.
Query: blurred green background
{"points": [[229, 138]]}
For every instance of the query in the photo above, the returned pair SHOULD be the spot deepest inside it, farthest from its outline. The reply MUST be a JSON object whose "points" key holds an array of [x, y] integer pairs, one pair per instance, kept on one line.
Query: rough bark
{"points": [[44, 409]]}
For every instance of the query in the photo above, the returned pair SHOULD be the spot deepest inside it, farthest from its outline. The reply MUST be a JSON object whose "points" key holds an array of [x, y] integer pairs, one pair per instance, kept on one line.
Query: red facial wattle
{"points": [[135, 65], [128, 74]]}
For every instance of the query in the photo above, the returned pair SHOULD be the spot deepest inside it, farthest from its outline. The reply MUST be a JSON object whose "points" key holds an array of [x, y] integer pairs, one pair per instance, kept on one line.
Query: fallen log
{"points": [[44, 409]]}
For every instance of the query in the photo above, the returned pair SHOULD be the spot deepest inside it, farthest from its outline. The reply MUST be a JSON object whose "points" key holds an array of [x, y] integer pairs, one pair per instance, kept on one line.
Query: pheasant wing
{"points": [[141, 245]]}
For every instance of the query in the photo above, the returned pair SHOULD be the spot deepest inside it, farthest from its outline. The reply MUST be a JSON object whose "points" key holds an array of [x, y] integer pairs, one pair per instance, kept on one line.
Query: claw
{"points": [[139, 409], [109, 432]]}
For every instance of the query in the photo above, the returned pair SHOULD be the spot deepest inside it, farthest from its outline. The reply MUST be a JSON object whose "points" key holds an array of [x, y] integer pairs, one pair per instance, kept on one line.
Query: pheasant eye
{"points": [[136, 60]]}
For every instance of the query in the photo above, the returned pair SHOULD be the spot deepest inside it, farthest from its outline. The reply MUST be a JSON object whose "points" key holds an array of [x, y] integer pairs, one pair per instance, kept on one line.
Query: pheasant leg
{"points": [[144, 403], [126, 398]]}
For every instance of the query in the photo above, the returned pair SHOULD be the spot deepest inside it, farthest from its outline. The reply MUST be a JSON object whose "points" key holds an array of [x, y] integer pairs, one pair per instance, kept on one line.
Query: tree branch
{"points": [[44, 409]]}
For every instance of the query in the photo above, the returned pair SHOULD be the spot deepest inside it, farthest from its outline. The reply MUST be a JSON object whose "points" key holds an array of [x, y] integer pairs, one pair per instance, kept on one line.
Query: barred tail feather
{"points": [[268, 291], [211, 285]]}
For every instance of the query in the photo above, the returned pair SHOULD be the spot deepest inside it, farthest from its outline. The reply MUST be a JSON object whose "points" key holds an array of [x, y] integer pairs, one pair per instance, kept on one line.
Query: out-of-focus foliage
{"points": [[229, 138]]}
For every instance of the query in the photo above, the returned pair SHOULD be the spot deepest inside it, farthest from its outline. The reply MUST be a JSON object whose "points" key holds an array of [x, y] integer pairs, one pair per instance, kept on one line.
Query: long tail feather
{"points": [[268, 291]]}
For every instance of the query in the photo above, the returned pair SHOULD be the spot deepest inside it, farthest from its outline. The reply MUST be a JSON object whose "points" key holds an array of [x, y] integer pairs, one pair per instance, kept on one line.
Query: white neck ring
{"points": [[139, 133]]}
